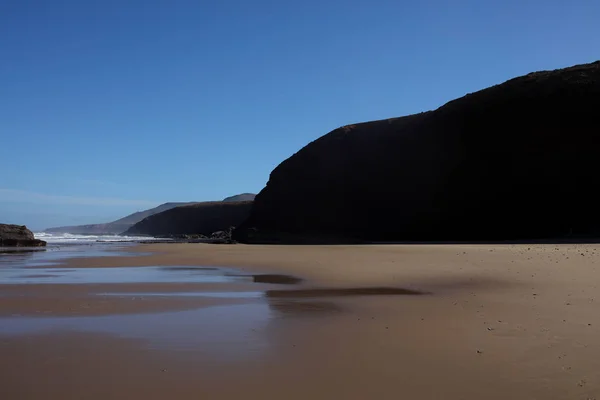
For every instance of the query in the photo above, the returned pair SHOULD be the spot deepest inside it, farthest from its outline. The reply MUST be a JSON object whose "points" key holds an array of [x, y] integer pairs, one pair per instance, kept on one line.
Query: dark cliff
{"points": [[114, 227], [515, 161], [200, 218]]}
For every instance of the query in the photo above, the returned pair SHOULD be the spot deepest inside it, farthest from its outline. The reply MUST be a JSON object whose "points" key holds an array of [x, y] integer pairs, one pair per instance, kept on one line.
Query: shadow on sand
{"points": [[342, 292]]}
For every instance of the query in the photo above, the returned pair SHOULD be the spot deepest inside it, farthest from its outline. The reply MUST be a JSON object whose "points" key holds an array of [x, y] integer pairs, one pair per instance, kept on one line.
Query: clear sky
{"points": [[112, 106]]}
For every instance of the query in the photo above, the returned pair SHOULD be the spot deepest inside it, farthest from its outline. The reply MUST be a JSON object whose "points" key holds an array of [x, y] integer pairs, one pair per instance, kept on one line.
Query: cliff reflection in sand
{"points": [[342, 292]]}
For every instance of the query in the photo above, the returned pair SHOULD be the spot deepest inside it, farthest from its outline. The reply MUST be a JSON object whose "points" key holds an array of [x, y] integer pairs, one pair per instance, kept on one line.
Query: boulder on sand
{"points": [[18, 236]]}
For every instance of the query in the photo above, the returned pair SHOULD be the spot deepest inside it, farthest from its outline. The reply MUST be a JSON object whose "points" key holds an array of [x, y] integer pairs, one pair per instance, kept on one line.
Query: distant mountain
{"points": [[200, 218], [121, 225], [241, 197], [115, 227]]}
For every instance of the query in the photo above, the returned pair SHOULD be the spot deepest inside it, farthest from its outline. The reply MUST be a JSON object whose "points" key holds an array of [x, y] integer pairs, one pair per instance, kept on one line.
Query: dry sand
{"points": [[487, 322]]}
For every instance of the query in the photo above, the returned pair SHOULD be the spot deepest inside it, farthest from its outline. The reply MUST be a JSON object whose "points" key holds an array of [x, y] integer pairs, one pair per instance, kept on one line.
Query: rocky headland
{"points": [[212, 220], [517, 160], [18, 236]]}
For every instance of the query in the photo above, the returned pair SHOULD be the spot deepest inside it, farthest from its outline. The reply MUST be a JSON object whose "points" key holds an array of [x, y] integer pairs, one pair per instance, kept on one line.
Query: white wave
{"points": [[74, 239]]}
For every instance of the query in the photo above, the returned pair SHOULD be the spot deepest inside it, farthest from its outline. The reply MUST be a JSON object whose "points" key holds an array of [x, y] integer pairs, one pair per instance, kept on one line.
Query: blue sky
{"points": [[109, 107]]}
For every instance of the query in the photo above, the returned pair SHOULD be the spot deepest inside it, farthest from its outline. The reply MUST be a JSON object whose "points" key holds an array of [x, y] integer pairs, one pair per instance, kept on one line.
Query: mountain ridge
{"points": [[202, 218], [115, 227], [121, 225]]}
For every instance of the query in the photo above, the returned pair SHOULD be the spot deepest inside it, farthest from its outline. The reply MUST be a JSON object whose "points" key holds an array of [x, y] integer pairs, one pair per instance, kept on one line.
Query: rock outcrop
{"points": [[18, 236], [198, 219], [518, 160]]}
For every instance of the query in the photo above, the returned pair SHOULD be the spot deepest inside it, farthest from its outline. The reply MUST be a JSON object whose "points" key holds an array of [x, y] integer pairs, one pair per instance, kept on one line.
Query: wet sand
{"points": [[387, 322]]}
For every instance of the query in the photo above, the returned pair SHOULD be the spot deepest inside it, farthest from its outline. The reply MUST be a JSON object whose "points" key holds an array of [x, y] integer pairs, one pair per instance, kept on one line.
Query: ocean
{"points": [[66, 245], [62, 239]]}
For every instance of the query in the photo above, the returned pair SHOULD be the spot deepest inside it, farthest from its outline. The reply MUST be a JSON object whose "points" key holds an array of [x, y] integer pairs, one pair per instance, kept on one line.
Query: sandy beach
{"points": [[381, 321]]}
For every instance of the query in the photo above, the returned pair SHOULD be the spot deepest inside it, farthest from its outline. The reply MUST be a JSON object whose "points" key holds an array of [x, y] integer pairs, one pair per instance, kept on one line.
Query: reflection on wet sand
{"points": [[106, 291], [234, 330], [181, 324], [192, 268], [36, 276], [43, 257], [501, 322], [342, 292], [222, 329], [276, 279], [269, 278], [300, 308], [20, 250], [209, 294], [118, 275]]}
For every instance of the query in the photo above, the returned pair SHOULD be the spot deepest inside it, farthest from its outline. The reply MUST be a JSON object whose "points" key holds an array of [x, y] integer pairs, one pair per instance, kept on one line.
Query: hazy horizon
{"points": [[114, 107]]}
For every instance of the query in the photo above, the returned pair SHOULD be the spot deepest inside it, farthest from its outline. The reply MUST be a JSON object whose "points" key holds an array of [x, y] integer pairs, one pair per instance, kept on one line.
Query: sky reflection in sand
{"points": [[228, 330], [118, 275]]}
